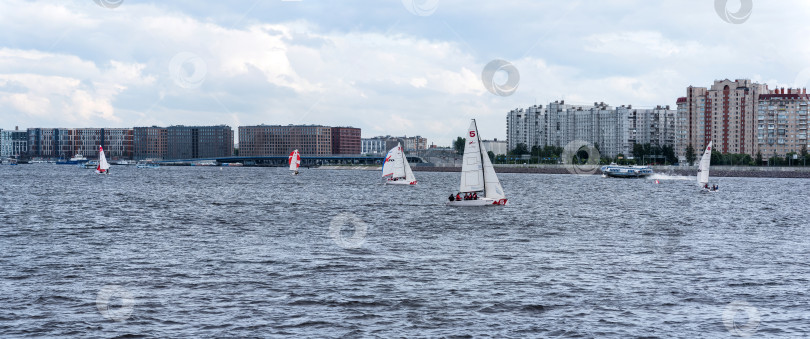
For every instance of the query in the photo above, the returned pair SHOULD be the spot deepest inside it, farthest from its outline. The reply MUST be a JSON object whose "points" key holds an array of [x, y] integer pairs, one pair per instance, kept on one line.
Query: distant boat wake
{"points": [[661, 176]]}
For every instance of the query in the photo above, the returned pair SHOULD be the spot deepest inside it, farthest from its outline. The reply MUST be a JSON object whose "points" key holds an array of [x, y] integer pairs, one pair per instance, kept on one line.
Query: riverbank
{"points": [[716, 171]]}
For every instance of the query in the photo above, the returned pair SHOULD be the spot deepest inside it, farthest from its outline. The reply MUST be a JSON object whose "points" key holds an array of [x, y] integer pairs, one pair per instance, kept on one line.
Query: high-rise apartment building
{"points": [[781, 122], [725, 114], [526, 126], [615, 130]]}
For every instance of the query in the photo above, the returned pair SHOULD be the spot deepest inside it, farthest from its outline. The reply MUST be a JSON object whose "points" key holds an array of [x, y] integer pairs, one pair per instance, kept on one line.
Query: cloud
{"points": [[66, 90], [374, 66]]}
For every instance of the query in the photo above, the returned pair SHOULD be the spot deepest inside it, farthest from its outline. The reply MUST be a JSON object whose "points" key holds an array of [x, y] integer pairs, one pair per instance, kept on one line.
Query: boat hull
{"points": [[627, 175], [71, 162], [478, 202], [400, 182]]}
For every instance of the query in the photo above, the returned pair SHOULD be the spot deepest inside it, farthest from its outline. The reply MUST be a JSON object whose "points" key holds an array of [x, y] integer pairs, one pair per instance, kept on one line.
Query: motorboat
{"points": [[77, 159], [620, 171]]}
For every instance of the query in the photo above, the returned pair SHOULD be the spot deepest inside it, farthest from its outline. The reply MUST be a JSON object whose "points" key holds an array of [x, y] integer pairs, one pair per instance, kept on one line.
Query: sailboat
{"points": [[103, 166], [703, 170], [295, 162], [478, 175], [396, 168]]}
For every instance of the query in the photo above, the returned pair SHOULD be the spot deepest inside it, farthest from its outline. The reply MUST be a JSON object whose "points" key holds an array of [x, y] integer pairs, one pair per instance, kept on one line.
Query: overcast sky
{"points": [[396, 67]]}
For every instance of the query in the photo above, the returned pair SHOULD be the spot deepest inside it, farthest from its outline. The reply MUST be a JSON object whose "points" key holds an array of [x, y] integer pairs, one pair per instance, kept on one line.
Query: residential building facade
{"points": [[724, 114], [615, 130], [194, 142], [781, 122], [526, 126], [68, 142], [381, 144], [150, 143], [263, 140], [345, 140], [374, 145], [13, 143], [497, 147]]}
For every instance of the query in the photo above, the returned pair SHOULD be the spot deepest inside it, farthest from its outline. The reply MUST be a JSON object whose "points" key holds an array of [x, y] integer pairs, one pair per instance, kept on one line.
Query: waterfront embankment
{"points": [[716, 171]]}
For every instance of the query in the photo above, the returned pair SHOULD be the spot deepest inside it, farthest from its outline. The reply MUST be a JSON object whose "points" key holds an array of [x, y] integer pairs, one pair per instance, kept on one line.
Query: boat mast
{"points": [[480, 154], [402, 150]]}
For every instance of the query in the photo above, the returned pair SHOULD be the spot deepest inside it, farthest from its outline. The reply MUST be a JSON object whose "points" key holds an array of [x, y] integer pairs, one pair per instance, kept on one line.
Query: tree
{"points": [[459, 144], [638, 152], [690, 154], [717, 158], [491, 156], [669, 154], [520, 149]]}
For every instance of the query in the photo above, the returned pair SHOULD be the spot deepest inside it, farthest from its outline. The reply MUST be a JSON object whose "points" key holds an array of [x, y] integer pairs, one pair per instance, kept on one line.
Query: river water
{"points": [[222, 252]]}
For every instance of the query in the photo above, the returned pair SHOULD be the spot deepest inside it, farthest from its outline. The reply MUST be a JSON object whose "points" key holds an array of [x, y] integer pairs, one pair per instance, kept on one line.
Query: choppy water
{"points": [[184, 251]]}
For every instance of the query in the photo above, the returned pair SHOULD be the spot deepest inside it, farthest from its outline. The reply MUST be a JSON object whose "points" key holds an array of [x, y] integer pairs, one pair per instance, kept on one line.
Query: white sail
{"points": [[472, 172], [393, 166], [295, 160], [703, 167], [492, 186], [103, 165], [409, 177]]}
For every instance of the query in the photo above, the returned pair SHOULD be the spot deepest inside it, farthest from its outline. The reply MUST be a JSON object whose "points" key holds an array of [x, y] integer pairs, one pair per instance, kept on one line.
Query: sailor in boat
{"points": [[458, 196], [475, 196], [452, 197]]}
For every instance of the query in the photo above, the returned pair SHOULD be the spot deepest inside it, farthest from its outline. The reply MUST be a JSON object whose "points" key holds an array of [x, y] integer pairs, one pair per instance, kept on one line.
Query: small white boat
{"points": [[103, 165], [147, 164], [295, 162], [703, 170], [478, 175], [91, 164], [396, 169]]}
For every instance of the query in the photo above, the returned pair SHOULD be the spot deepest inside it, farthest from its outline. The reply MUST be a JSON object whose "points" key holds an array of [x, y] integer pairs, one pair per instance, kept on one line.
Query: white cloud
{"points": [[71, 90], [378, 67]]}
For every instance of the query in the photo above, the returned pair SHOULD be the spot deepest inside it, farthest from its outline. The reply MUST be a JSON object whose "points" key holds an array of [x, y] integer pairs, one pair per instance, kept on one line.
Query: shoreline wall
{"points": [[716, 171]]}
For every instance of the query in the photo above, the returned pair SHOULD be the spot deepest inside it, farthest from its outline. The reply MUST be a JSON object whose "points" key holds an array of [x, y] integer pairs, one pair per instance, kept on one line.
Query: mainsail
{"points": [[703, 167], [472, 172], [295, 160], [394, 166], [103, 165]]}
